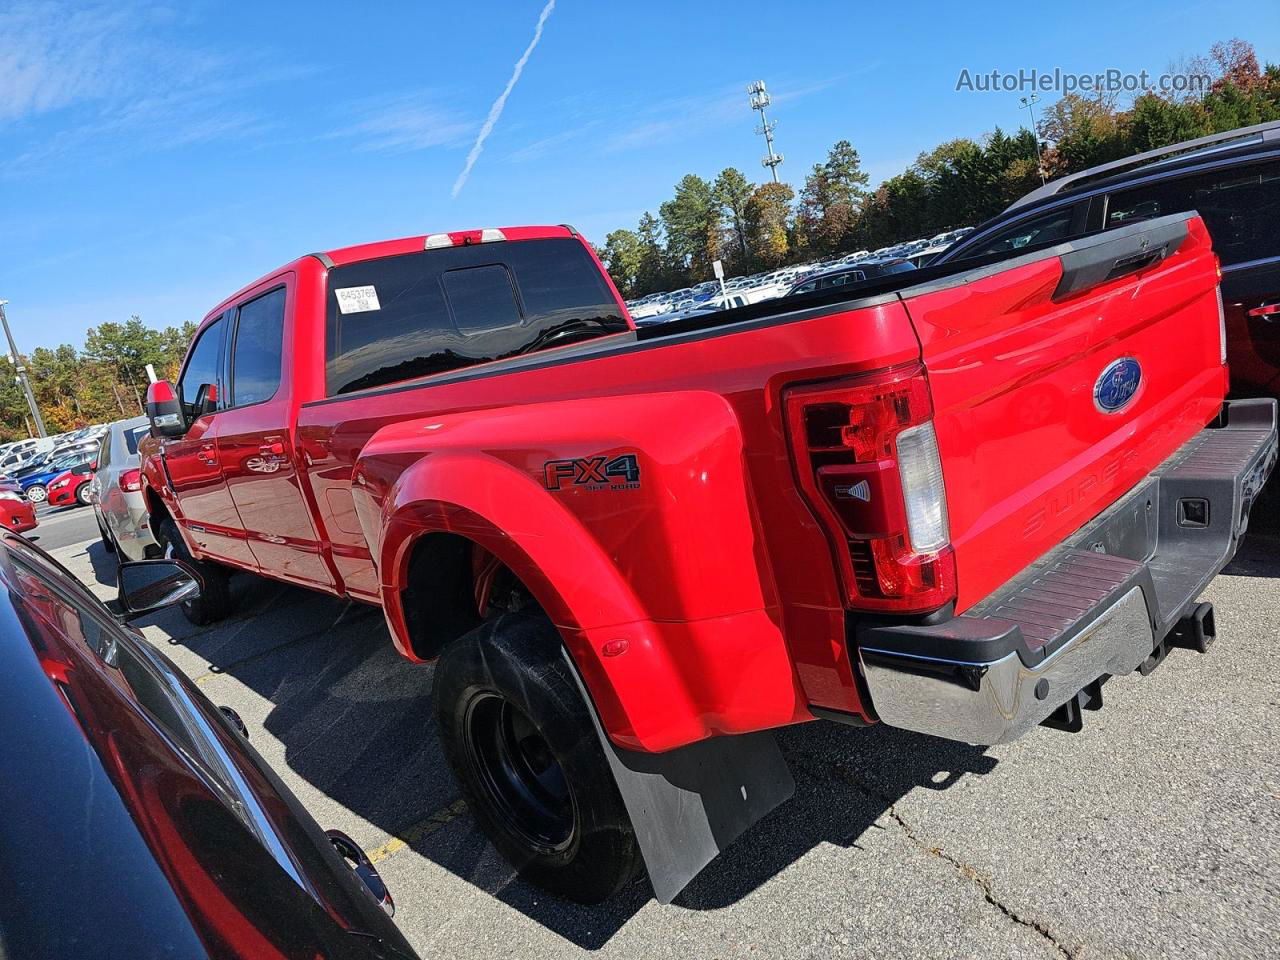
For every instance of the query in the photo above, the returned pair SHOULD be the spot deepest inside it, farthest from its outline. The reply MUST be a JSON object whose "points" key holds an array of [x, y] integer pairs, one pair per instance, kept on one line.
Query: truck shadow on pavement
{"points": [[356, 723]]}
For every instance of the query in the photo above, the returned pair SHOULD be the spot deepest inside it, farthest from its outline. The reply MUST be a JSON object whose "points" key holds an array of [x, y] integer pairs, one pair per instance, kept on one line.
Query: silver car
{"points": [[116, 492]]}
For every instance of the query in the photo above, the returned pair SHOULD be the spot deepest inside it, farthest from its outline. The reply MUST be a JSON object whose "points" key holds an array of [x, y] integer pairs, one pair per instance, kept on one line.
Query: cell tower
{"points": [[759, 100]]}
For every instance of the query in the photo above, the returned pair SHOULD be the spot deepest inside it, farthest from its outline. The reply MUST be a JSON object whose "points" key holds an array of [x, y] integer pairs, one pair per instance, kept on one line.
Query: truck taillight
{"points": [[867, 459], [131, 480]]}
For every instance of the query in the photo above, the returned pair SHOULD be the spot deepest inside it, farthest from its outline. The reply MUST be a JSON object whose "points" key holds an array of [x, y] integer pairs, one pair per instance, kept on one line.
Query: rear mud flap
{"points": [[689, 804]]}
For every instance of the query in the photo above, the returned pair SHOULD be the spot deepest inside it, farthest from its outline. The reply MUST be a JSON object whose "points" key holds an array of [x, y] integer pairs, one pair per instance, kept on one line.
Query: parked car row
{"points": [[707, 297]]}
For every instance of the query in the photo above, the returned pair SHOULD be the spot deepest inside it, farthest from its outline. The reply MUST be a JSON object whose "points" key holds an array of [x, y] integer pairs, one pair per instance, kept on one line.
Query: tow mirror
{"points": [[164, 411], [147, 585], [206, 400]]}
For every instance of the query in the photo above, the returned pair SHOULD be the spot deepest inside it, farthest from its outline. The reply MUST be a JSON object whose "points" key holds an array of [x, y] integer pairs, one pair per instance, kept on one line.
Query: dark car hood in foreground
{"points": [[112, 846]]}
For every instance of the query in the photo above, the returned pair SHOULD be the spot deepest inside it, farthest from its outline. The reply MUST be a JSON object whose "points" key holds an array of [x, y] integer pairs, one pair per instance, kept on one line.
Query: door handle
{"points": [[206, 455], [1268, 311], [272, 449]]}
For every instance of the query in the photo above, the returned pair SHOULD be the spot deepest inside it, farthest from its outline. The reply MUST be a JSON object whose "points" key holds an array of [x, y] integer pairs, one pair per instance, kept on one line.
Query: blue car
{"points": [[36, 485]]}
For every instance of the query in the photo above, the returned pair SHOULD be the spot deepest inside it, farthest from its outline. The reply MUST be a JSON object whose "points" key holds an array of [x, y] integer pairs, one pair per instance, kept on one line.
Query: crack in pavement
{"points": [[963, 869]]}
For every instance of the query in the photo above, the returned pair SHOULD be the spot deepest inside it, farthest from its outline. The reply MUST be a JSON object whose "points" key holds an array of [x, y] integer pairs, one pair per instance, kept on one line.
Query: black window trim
{"points": [[234, 334]]}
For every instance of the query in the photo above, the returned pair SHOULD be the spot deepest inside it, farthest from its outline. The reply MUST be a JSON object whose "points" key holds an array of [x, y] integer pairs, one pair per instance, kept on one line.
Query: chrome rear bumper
{"points": [[1102, 604]]}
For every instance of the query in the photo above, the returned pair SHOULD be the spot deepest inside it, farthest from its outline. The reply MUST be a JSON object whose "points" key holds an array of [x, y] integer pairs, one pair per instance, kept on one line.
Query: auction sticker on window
{"points": [[357, 299]]}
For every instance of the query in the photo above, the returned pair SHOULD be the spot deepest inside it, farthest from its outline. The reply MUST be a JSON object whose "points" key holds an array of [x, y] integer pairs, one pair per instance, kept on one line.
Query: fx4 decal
{"points": [[593, 473]]}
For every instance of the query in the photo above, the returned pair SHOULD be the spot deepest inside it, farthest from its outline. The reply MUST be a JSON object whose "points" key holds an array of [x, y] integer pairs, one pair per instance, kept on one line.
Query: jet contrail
{"points": [[496, 110]]}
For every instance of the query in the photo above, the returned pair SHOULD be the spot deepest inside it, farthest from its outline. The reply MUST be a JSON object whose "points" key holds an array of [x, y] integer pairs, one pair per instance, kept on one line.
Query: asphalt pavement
{"points": [[1153, 833], [63, 526]]}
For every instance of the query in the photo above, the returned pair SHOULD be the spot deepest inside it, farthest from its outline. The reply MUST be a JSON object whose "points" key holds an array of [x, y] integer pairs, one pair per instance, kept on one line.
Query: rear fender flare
{"points": [[507, 513]]}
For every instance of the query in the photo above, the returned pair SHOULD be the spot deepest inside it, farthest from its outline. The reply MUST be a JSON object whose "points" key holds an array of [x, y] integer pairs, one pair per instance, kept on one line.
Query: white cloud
{"points": [[116, 81], [495, 111], [409, 122]]}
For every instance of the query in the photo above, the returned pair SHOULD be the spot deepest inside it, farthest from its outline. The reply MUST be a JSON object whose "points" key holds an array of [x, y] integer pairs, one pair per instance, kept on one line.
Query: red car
{"points": [[71, 486], [16, 511], [953, 500]]}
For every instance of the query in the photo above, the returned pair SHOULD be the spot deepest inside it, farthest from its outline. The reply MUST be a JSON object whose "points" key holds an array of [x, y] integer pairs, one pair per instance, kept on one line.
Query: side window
{"points": [[255, 358], [1240, 206], [481, 299], [807, 287], [1052, 227], [104, 451], [202, 366]]}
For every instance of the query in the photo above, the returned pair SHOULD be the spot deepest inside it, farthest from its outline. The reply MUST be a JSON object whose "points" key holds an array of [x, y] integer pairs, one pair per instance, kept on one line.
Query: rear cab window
{"points": [[416, 314]]}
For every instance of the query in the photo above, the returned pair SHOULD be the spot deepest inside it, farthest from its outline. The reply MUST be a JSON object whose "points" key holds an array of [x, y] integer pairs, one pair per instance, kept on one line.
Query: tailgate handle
{"points": [[1097, 259], [1132, 264]]}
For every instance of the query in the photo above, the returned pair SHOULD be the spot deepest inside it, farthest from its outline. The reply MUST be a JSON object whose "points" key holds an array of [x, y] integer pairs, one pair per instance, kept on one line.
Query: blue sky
{"points": [[155, 158]]}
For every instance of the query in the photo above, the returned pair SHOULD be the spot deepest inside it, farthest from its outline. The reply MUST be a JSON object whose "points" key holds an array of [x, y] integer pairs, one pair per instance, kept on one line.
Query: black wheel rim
{"points": [[520, 776]]}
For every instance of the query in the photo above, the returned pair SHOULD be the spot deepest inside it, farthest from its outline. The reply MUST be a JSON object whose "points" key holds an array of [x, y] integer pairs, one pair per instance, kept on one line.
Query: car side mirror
{"points": [[206, 400], [164, 411], [147, 585]]}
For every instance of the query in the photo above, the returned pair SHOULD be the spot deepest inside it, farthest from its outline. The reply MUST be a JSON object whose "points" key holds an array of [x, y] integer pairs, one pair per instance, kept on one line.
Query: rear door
{"points": [[1240, 204], [1060, 380], [195, 475], [255, 442]]}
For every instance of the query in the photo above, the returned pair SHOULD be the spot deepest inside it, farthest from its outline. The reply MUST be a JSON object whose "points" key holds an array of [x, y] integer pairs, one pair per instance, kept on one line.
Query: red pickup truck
{"points": [[955, 501]]}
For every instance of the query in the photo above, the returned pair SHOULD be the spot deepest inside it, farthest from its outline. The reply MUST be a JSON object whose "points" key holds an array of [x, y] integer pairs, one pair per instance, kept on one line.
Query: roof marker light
{"points": [[436, 240], [490, 234]]}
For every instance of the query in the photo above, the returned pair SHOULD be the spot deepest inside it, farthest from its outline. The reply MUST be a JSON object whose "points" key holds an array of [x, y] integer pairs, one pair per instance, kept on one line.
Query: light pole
{"points": [[22, 372], [1029, 105]]}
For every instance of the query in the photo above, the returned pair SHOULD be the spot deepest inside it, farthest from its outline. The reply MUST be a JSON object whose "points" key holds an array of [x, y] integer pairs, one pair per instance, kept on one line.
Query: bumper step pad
{"points": [[1113, 598]]}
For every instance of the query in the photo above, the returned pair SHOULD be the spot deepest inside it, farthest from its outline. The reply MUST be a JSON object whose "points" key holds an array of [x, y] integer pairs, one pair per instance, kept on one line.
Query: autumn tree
{"points": [[767, 216]]}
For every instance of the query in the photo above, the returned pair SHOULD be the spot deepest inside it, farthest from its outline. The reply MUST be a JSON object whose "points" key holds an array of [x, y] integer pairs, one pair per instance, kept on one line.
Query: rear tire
{"points": [[36, 493], [214, 602], [522, 745], [82, 494]]}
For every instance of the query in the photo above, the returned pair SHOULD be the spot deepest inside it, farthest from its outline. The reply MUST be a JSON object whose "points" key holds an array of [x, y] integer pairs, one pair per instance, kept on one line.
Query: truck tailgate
{"points": [[1061, 379]]}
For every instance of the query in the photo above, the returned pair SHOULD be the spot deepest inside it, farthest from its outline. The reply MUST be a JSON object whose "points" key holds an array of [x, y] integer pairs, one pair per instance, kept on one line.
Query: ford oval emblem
{"points": [[1117, 384]]}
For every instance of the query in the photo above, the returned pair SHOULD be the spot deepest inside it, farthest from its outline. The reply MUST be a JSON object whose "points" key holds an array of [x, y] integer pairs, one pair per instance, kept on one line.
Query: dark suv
{"points": [[1232, 179]]}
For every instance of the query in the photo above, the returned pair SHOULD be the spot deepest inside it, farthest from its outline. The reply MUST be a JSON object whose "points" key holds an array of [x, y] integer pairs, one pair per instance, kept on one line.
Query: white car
{"points": [[116, 492]]}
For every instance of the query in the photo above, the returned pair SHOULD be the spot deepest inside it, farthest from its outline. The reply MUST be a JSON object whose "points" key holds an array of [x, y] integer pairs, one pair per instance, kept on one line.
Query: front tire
{"points": [[522, 745], [36, 493], [214, 602]]}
